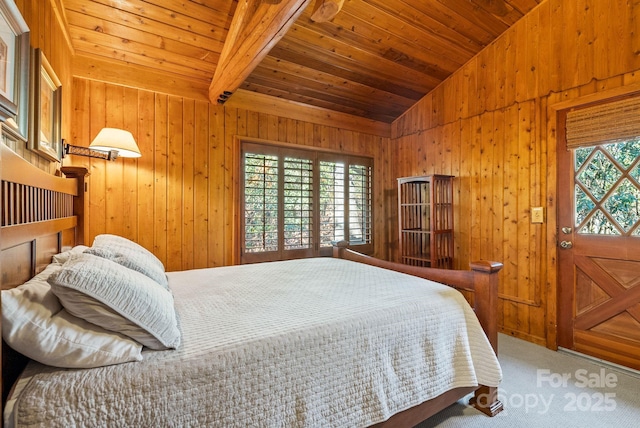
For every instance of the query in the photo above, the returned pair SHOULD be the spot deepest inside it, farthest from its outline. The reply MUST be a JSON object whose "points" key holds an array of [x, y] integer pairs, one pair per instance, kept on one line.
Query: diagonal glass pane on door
{"points": [[635, 173], [582, 154], [584, 205], [599, 224], [625, 153], [599, 175], [623, 205]]}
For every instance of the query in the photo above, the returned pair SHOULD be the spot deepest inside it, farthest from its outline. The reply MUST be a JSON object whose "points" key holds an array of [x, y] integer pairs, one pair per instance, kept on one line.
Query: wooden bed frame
{"points": [[482, 280], [43, 215]]}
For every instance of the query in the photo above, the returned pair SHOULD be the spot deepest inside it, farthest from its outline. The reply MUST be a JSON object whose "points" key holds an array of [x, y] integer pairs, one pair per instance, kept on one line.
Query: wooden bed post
{"points": [[485, 398], [486, 298], [79, 173], [338, 249]]}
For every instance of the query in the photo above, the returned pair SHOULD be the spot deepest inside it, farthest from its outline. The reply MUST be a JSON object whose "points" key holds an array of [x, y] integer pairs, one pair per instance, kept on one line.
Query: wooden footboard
{"points": [[482, 281]]}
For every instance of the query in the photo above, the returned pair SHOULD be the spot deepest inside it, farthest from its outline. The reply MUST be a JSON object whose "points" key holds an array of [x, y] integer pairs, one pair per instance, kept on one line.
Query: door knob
{"points": [[567, 230], [566, 244]]}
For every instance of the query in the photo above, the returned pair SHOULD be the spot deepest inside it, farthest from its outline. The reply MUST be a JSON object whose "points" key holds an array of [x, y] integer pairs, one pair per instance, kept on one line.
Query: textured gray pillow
{"points": [[118, 299], [66, 255], [132, 260], [35, 324], [129, 254]]}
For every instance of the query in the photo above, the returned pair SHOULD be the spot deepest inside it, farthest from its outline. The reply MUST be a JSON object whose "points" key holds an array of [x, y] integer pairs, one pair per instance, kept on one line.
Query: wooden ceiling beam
{"points": [[256, 27], [326, 10], [253, 101]]}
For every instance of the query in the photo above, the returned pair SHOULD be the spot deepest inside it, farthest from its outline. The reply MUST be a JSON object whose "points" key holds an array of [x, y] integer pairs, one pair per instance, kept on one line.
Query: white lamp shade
{"points": [[116, 139]]}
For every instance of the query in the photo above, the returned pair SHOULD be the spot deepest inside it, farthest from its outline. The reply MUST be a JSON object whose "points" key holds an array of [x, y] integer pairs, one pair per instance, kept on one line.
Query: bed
{"points": [[271, 344]]}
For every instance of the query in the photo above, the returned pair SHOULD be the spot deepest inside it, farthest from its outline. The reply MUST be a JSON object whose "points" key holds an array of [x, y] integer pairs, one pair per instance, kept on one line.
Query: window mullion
{"points": [[347, 216], [281, 174], [368, 207], [264, 203], [315, 231]]}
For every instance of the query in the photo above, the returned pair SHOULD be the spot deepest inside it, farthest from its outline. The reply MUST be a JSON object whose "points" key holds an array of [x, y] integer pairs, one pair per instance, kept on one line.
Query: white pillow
{"points": [[118, 299], [132, 260], [129, 254], [65, 255], [35, 324]]}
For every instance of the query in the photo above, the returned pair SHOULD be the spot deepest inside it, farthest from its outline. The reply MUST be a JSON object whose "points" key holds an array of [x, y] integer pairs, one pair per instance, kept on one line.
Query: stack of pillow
{"points": [[93, 306]]}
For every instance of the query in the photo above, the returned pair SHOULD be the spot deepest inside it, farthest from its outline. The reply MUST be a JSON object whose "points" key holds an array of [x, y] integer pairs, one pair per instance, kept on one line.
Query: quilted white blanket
{"points": [[306, 343]]}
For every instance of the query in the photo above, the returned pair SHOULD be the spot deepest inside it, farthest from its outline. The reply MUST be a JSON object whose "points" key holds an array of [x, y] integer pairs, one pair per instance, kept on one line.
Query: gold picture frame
{"points": [[14, 71], [46, 112]]}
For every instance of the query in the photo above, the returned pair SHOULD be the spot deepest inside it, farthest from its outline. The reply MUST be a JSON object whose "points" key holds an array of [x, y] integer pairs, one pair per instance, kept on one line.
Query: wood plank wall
{"points": [[178, 199], [493, 126], [45, 21]]}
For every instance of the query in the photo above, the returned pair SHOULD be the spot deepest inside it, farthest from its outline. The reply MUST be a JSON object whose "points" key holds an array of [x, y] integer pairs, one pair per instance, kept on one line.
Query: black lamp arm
{"points": [[85, 151]]}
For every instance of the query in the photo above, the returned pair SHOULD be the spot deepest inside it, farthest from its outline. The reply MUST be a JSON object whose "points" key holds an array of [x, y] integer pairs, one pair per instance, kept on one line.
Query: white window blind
{"points": [[332, 207], [359, 204], [297, 202], [261, 202]]}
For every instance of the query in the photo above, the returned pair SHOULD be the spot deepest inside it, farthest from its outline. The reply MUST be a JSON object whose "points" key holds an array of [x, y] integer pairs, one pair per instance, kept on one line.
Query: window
{"points": [[607, 193], [296, 202], [605, 138], [261, 203]]}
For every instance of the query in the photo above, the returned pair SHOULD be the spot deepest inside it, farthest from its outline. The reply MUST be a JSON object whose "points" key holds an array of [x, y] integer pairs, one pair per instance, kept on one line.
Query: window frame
{"points": [[316, 155]]}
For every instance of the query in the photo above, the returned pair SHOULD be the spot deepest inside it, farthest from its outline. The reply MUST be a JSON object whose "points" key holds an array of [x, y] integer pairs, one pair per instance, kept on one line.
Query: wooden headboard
{"points": [[41, 215]]}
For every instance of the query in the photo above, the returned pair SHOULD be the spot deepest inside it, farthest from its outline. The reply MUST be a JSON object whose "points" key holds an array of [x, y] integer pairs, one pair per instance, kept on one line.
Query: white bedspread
{"points": [[305, 343]]}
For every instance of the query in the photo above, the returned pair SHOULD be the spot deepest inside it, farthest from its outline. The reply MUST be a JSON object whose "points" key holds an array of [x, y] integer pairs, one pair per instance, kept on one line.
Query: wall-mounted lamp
{"points": [[109, 144]]}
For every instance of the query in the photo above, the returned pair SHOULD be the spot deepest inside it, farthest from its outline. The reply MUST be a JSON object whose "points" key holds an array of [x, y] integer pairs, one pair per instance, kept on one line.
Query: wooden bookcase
{"points": [[425, 220]]}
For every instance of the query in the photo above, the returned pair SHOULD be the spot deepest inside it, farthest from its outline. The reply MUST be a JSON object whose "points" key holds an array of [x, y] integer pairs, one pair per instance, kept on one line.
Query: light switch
{"points": [[537, 215]]}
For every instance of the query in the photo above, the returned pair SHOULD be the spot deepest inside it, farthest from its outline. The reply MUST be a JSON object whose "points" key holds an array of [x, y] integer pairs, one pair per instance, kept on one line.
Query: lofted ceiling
{"points": [[374, 60]]}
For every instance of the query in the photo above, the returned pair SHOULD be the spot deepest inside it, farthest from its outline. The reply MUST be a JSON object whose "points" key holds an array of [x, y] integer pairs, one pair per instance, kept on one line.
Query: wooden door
{"points": [[599, 251]]}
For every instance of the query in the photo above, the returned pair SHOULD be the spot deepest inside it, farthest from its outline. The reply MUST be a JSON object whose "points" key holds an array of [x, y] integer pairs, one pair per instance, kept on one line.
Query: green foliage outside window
{"points": [[607, 194]]}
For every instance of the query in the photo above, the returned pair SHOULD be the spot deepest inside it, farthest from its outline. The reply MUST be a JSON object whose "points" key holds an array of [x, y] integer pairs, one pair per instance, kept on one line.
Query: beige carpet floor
{"points": [[544, 388]]}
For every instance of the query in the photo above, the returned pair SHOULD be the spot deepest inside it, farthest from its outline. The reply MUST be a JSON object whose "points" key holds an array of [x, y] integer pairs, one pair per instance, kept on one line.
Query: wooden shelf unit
{"points": [[425, 220]]}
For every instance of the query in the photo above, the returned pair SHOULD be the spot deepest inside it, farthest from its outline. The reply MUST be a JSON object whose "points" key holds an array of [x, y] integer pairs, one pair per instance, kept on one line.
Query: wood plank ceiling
{"points": [[375, 59]]}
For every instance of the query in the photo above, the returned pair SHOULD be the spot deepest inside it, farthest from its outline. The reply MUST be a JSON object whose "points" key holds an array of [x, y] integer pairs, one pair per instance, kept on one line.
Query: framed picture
{"points": [[46, 113], [14, 71]]}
